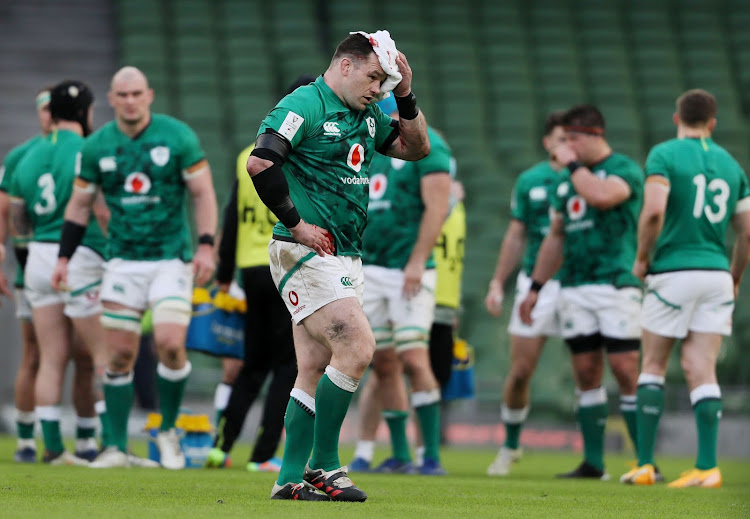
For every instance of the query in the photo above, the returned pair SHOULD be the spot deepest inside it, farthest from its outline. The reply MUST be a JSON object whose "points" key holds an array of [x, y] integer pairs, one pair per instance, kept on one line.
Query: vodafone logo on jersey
{"points": [[378, 185], [138, 183], [576, 207], [356, 157]]}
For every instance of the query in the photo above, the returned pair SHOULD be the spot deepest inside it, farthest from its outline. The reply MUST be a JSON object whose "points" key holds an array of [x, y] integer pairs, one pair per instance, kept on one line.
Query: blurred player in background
{"points": [[143, 163], [66, 324], [269, 345], [324, 136], [409, 203], [593, 235], [26, 375], [694, 190], [530, 221]]}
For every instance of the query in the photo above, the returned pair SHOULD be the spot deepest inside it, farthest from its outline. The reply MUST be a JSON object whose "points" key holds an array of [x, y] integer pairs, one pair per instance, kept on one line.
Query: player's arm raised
{"points": [[412, 142], [201, 186], [601, 193]]}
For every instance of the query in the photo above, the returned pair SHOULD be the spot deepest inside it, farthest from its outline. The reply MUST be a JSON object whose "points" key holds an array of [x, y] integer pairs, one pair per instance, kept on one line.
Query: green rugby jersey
{"points": [[600, 245], [530, 204], [142, 181], [9, 165], [44, 180], [395, 209], [327, 170], [706, 185]]}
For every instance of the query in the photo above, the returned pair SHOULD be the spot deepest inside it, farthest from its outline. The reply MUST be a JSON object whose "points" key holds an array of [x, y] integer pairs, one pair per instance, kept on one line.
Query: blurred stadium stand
{"points": [[486, 73]]}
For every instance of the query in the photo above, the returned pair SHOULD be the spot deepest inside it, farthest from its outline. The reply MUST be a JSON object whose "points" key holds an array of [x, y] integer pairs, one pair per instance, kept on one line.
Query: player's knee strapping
{"points": [[123, 319], [173, 311], [411, 337], [383, 338], [423, 398]]}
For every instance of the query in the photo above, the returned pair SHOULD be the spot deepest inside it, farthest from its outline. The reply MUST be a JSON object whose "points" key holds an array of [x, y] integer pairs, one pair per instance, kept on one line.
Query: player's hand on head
{"points": [[494, 300], [317, 238], [404, 87], [203, 264], [527, 306], [412, 279], [60, 275]]}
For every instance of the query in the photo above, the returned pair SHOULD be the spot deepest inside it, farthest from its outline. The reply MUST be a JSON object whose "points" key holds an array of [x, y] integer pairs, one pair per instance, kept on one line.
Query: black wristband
{"points": [[206, 239], [70, 238], [536, 286], [407, 106], [574, 165]]}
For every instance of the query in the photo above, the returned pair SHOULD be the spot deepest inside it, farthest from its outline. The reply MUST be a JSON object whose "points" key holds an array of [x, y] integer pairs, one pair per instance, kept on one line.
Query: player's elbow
{"points": [[256, 165], [423, 150]]}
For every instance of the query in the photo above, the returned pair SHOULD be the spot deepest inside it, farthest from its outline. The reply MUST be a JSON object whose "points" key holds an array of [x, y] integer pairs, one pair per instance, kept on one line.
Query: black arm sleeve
{"points": [[70, 238], [22, 254], [228, 245]]}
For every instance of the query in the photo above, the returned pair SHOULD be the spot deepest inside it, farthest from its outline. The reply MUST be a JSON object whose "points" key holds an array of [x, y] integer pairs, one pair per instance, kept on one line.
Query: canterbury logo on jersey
{"points": [[331, 129], [346, 281]]}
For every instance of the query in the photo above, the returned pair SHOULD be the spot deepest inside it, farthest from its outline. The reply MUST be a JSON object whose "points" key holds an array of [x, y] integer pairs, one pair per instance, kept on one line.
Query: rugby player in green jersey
{"points": [[26, 375], [144, 163], [41, 187], [530, 208], [409, 202], [694, 190], [593, 235], [310, 167]]}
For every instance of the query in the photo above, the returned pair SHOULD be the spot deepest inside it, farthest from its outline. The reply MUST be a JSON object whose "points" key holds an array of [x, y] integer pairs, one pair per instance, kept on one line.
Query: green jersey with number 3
{"points": [[395, 210], [143, 181], [530, 205], [600, 244], [707, 187], [327, 170], [10, 163], [44, 180]]}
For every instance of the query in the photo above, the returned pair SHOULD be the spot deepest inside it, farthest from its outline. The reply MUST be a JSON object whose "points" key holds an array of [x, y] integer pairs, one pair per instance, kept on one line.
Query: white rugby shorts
{"points": [[604, 309], [85, 271], [389, 312], [140, 284], [688, 300], [545, 315], [308, 282]]}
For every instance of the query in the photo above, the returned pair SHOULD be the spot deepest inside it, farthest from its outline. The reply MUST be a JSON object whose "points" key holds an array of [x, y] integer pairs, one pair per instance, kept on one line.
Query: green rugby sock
{"points": [[118, 396], [427, 406], [328, 421], [299, 423], [706, 401], [49, 417], [592, 418], [171, 387], [628, 408], [396, 420], [649, 406]]}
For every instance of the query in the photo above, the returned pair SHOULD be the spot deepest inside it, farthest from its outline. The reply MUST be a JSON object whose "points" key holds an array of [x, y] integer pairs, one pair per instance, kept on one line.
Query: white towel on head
{"points": [[385, 50]]}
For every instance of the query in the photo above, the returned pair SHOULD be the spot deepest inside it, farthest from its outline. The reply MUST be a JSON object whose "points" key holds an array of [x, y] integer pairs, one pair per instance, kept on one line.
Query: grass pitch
{"points": [[531, 491]]}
